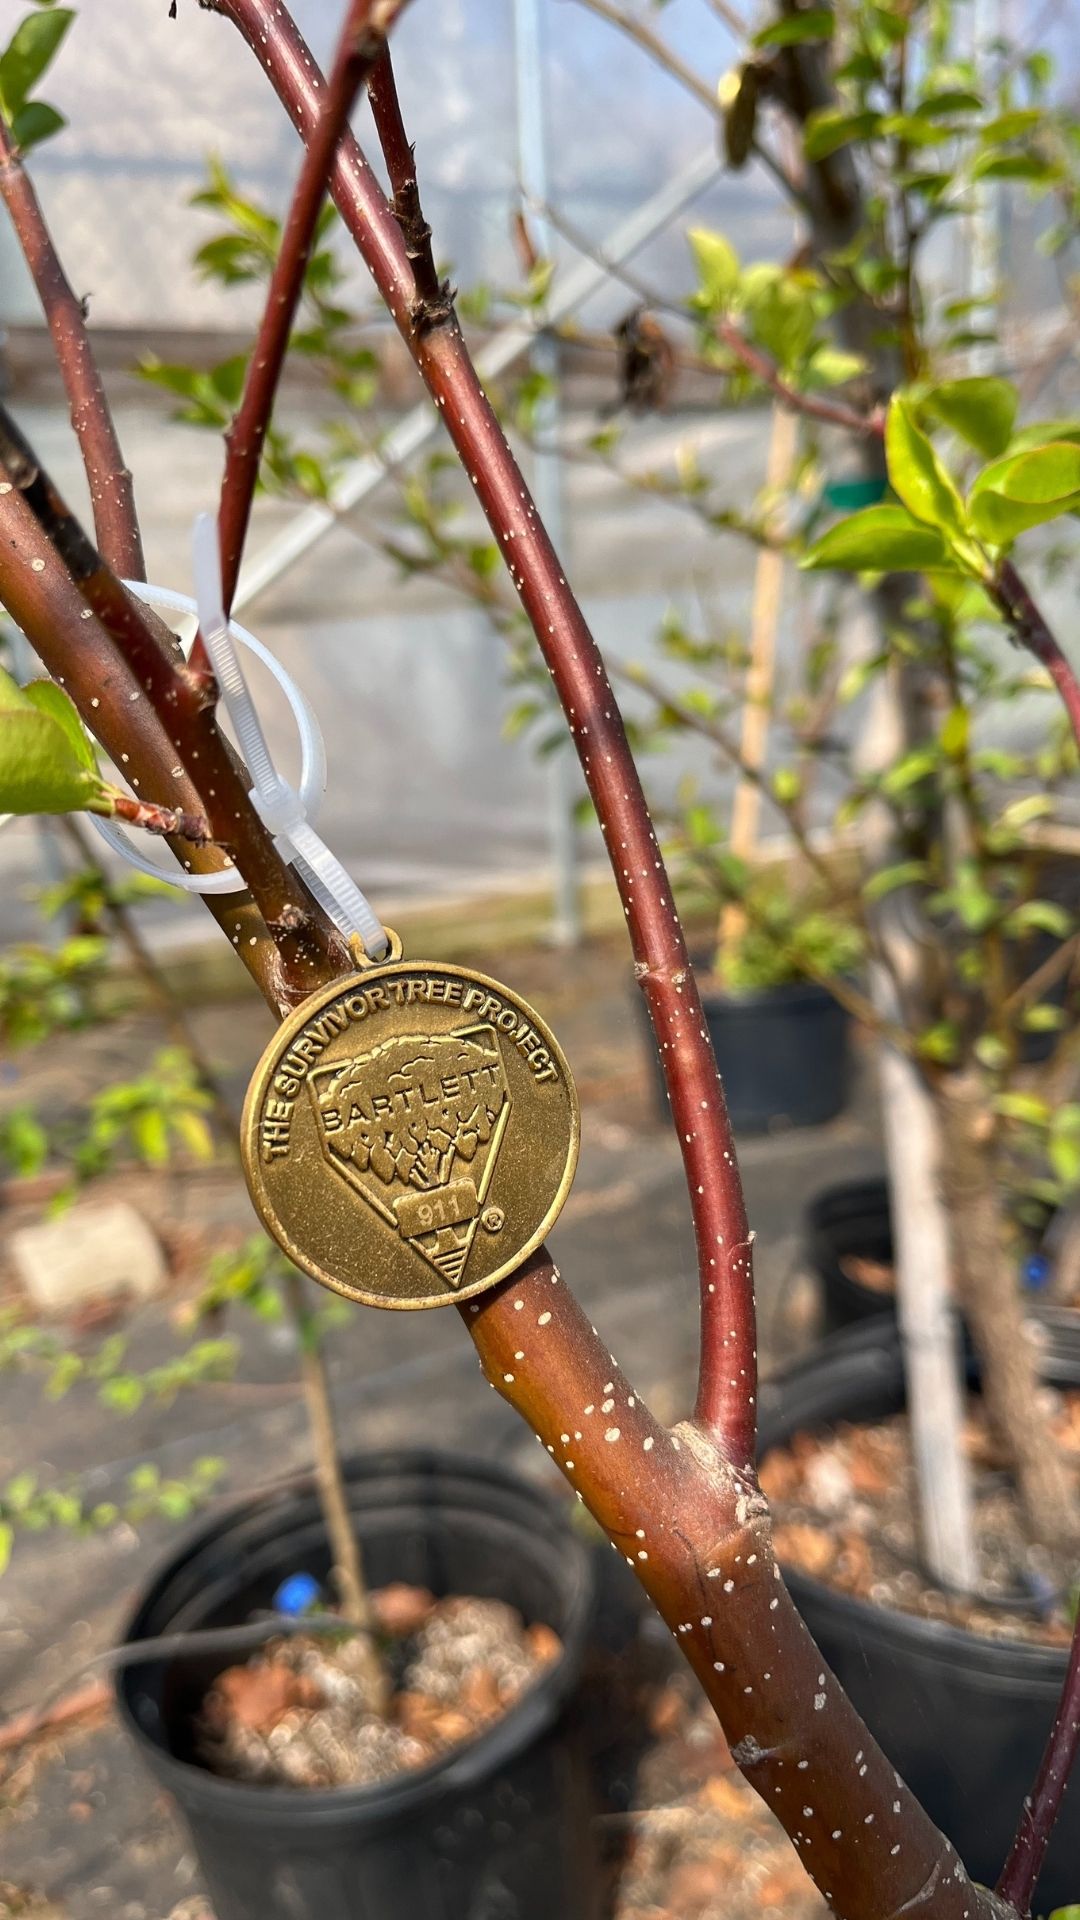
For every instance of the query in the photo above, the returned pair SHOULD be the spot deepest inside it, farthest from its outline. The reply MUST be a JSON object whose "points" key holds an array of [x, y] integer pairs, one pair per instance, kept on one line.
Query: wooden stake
{"points": [[764, 625]]}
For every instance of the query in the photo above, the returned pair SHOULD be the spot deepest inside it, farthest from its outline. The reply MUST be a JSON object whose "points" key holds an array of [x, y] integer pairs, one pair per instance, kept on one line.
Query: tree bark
{"points": [[985, 1270]]}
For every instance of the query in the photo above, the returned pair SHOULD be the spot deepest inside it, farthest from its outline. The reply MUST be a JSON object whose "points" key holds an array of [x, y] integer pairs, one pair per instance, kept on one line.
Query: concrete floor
{"points": [[85, 1824]]}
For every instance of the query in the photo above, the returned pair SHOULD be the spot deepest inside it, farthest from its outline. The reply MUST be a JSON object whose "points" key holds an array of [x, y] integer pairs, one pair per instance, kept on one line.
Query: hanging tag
{"points": [[411, 1133]]}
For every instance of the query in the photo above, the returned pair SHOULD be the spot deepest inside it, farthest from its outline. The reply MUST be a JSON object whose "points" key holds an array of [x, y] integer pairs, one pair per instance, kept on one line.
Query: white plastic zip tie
{"points": [[279, 806], [289, 814], [312, 754]]}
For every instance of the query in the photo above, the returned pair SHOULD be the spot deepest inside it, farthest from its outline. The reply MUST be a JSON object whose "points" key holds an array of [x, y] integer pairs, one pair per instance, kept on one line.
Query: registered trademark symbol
{"points": [[493, 1218]]}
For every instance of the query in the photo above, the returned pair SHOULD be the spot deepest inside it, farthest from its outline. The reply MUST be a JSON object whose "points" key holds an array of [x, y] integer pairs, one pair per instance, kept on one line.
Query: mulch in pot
{"points": [[845, 1505], [299, 1712]]}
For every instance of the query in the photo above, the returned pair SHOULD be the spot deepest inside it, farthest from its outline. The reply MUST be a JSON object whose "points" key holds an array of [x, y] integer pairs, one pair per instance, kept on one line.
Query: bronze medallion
{"points": [[410, 1134]]}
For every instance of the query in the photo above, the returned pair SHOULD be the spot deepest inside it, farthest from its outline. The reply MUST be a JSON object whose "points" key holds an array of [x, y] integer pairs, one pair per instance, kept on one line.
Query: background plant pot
{"points": [[783, 1055], [964, 1720], [850, 1221], [499, 1829]]}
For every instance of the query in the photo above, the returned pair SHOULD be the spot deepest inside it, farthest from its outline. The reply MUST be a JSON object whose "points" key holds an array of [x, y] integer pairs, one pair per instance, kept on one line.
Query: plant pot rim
{"points": [[1010, 1658], [531, 1715]]}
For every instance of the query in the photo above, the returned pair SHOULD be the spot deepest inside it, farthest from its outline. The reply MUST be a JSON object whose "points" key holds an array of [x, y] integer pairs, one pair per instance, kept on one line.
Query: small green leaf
{"points": [[787, 785], [50, 699], [917, 474], [833, 127], [950, 101], [1023, 1106], [1025, 490], [909, 769], [718, 267], [982, 410], [1043, 1019], [879, 540], [955, 732], [1016, 166], [30, 51], [124, 1393], [906, 873], [1042, 916], [7, 1542], [35, 122], [830, 367], [150, 1134], [20, 1491], [991, 1052], [1040, 433], [939, 1042], [1064, 1153], [46, 761], [794, 29]]}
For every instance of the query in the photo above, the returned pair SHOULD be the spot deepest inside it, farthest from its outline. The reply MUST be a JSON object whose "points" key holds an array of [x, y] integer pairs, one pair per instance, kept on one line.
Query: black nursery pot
{"points": [[850, 1219], [499, 1829], [783, 1055], [964, 1720]]}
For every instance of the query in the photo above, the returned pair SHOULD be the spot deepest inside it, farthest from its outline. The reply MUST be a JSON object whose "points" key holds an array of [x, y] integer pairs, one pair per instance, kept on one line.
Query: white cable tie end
{"points": [[206, 568]]}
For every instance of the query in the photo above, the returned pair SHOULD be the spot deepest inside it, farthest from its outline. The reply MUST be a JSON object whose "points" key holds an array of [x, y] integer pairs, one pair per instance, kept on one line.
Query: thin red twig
{"points": [[153, 818], [812, 406], [726, 1399], [112, 497], [1040, 1810], [362, 40], [433, 296], [1031, 629]]}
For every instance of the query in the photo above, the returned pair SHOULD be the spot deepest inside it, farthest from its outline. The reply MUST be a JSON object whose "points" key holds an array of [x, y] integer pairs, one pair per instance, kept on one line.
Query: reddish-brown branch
{"points": [[813, 406], [727, 1391], [169, 821], [696, 1533], [1030, 628], [433, 298], [111, 494], [1041, 1808], [159, 680], [362, 40]]}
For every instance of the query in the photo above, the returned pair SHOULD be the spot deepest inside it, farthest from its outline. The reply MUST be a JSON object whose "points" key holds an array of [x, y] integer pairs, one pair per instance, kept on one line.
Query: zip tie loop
{"points": [[289, 815], [280, 808]]}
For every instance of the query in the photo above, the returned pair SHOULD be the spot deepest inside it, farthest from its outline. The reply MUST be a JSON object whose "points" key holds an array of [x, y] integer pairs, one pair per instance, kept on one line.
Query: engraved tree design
{"points": [[418, 1140], [690, 1492]]}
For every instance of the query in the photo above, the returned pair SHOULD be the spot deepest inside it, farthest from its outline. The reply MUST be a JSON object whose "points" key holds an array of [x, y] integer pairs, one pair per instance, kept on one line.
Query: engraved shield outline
{"points": [[347, 1172]]}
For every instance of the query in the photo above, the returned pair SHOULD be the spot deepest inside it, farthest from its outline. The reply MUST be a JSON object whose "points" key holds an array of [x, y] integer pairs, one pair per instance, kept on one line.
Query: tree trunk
{"points": [[985, 1269]]}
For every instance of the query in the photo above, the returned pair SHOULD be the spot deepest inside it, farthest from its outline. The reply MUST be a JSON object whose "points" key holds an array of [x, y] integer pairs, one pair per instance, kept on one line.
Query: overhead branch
{"points": [[433, 302], [361, 44], [111, 494]]}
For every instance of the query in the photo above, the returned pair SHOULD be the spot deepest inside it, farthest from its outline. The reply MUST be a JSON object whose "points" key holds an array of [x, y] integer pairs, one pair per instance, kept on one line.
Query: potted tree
{"points": [[683, 1505], [949, 806]]}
